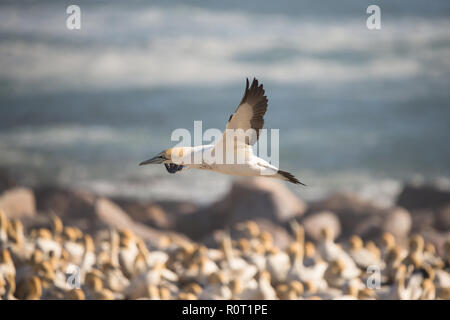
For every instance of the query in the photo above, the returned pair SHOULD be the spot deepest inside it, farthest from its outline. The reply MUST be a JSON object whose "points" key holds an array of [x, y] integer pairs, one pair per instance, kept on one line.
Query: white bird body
{"points": [[249, 291], [47, 246], [75, 250], [442, 278], [300, 272], [254, 166], [257, 260]]}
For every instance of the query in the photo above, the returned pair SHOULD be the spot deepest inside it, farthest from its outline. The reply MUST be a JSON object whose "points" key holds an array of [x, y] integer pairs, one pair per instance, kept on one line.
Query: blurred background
{"points": [[357, 109]]}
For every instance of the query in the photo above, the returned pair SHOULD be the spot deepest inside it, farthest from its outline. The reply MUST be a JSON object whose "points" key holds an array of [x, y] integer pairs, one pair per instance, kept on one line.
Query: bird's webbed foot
{"points": [[173, 168]]}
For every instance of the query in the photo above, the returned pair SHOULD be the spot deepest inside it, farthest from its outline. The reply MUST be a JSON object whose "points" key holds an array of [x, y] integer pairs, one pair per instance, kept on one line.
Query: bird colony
{"points": [[62, 262]]}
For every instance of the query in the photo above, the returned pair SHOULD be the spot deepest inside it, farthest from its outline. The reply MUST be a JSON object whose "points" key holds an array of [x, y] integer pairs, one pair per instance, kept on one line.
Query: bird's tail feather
{"points": [[289, 177]]}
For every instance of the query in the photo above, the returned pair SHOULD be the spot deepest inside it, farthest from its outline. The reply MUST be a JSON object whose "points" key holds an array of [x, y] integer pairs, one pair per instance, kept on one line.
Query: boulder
{"points": [[159, 214], [352, 210], [91, 213], [18, 203], [7, 181], [314, 223], [423, 197], [422, 219], [342, 203], [110, 215], [438, 239], [68, 204], [398, 221], [442, 221], [369, 228], [249, 199]]}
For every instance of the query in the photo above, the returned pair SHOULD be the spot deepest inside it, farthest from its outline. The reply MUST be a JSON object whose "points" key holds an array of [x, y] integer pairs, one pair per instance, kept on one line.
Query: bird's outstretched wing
{"points": [[250, 112]]}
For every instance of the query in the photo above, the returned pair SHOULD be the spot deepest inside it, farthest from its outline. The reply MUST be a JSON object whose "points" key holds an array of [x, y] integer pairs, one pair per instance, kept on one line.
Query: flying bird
{"points": [[242, 132]]}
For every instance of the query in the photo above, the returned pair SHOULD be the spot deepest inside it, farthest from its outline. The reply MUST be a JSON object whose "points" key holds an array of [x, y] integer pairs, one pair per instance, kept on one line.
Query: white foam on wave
{"points": [[155, 184], [381, 190], [59, 136], [185, 45]]}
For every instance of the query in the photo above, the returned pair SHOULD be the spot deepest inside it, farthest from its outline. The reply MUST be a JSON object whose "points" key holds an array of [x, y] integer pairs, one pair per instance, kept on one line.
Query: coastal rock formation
{"points": [[354, 213], [443, 218], [90, 212], [18, 202], [7, 181], [160, 214], [398, 222], [423, 197], [316, 222], [250, 198], [109, 215]]}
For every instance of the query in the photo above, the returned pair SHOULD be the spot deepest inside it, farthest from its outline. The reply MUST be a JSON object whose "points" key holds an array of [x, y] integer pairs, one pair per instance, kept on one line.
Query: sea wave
{"points": [[61, 136], [161, 46]]}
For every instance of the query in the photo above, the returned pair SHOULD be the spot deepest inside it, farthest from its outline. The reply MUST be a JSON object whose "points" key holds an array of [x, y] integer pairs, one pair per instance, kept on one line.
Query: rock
{"points": [[398, 222], [346, 203], [263, 198], [67, 204], [91, 213], [157, 217], [438, 239], [110, 215], [422, 219], [249, 199], [18, 203], [369, 228], [281, 236], [442, 222], [423, 197], [7, 181], [314, 223], [352, 211], [161, 214]]}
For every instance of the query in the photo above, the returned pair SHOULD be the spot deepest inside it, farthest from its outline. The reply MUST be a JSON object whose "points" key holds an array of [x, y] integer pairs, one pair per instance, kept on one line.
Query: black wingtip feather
{"points": [[290, 177]]}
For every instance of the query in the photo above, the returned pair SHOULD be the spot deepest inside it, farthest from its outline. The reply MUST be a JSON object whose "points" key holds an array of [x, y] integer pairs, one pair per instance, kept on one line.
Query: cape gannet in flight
{"points": [[232, 154]]}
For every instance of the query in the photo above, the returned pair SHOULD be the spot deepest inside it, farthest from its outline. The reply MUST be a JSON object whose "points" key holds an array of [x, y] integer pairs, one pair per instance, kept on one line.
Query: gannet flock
{"points": [[62, 262]]}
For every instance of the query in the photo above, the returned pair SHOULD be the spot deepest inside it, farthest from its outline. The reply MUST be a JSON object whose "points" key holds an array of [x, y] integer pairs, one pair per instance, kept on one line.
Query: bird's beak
{"points": [[160, 158]]}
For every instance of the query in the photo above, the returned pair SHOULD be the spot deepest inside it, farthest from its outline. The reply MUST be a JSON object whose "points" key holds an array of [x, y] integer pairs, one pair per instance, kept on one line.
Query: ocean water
{"points": [[357, 109]]}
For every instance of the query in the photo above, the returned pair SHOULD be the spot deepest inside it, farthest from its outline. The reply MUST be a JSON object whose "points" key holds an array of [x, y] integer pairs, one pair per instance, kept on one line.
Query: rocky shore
{"points": [[259, 242]]}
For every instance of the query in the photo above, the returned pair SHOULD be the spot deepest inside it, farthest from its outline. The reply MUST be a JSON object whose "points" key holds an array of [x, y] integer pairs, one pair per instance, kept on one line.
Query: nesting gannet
{"points": [[235, 145], [330, 251], [21, 248], [34, 289], [75, 294], [217, 287], [236, 266], [398, 291], [9, 287], [430, 258], [265, 291], [45, 242], [299, 272], [428, 290], [243, 290], [363, 257], [3, 229], [95, 290]]}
